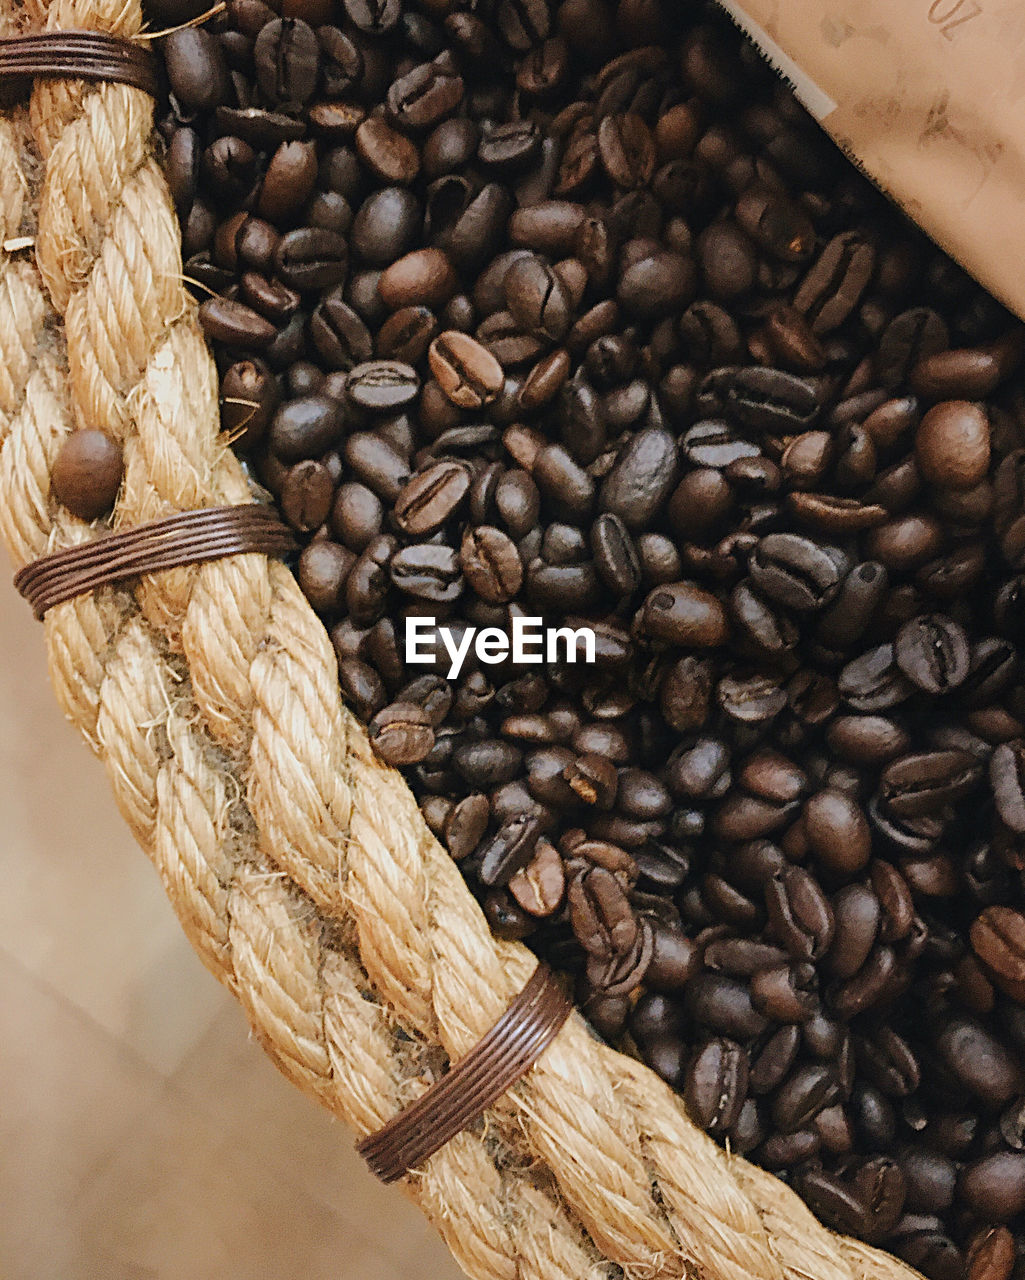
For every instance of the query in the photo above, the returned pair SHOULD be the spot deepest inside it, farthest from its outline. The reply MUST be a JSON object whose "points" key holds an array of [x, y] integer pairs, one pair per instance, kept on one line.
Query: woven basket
{"points": [[299, 867]]}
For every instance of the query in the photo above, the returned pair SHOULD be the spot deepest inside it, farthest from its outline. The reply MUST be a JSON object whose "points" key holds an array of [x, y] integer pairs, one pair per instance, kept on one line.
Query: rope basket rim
{"points": [[299, 867]]}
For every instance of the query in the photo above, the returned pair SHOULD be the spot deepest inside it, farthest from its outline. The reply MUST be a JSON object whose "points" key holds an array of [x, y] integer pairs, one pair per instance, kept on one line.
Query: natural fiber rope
{"points": [[300, 867]]}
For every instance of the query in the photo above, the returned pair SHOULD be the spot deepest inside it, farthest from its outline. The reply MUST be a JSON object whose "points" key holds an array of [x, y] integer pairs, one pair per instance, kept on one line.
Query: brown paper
{"points": [[929, 97]]}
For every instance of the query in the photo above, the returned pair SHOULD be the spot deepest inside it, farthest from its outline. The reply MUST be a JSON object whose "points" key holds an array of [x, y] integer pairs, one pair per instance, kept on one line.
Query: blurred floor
{"points": [[143, 1135]]}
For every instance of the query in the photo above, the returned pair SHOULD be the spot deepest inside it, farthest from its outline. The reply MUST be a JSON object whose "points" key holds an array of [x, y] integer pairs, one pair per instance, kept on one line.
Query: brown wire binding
{"points": [[491, 1068], [191, 537], [74, 55]]}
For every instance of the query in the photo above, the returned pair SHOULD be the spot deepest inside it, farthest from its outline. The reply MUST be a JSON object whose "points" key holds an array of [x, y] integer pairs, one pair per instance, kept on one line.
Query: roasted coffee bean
{"points": [[795, 571], [998, 939], [389, 155], [421, 97], [837, 831], [799, 914], [867, 1203], [491, 564], [466, 372], [724, 1006], [806, 1092], [305, 428], [642, 478], [933, 652], [994, 1187], [427, 572], [537, 298], [307, 492], [952, 444], [682, 613], [311, 258], [382, 386], [918, 785], [1007, 779], [87, 473], [431, 498], [716, 1085], [400, 733], [763, 399], [196, 70]]}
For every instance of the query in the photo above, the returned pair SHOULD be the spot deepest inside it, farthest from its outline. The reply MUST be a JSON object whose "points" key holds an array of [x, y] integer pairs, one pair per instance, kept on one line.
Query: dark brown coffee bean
{"points": [[657, 285], [510, 849], [1007, 779], [400, 733], [952, 445], [837, 832], [87, 473], [933, 652], [867, 1204], [305, 428], [806, 1092], [431, 498], [196, 70], [800, 917], [235, 324], [682, 613], [994, 1187], [467, 373], [919, 785], [311, 258], [856, 914], [306, 495], [420, 98], [382, 386], [998, 939], [834, 285], [491, 564], [716, 1085], [723, 1006], [795, 571], [537, 298]]}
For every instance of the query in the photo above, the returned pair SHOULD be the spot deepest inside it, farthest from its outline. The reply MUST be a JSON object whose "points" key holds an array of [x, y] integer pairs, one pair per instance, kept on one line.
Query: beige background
{"points": [[143, 1136]]}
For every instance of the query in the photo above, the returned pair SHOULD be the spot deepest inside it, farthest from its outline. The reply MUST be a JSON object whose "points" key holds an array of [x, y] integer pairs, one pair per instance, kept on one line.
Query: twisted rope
{"points": [[299, 867]]}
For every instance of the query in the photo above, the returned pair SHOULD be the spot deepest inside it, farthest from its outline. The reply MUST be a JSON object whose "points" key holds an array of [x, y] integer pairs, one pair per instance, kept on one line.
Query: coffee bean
{"points": [[235, 324], [933, 652], [837, 831], [994, 1187], [389, 155], [682, 613], [87, 473], [716, 1085], [382, 386], [400, 734], [657, 285], [196, 70], [952, 445], [799, 913], [537, 298], [466, 372], [311, 258], [305, 428], [795, 571], [998, 939], [642, 478], [286, 56], [431, 498]]}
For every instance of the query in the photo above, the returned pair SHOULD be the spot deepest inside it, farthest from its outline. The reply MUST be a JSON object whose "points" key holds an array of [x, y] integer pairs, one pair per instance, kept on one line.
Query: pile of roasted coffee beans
{"points": [[566, 310]]}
